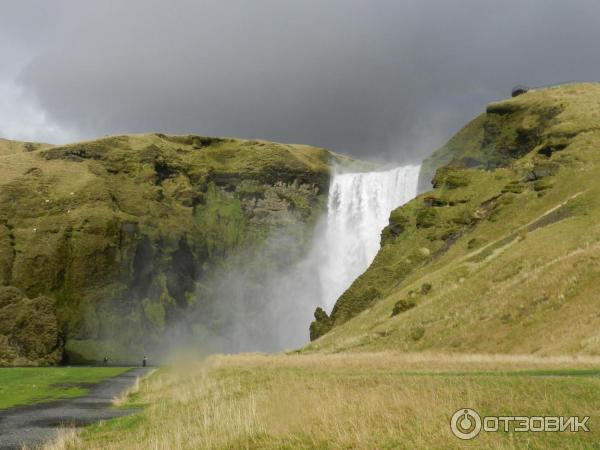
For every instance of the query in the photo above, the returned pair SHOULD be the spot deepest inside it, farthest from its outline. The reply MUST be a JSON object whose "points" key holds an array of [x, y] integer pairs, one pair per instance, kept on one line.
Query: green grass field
{"points": [[24, 386], [351, 401]]}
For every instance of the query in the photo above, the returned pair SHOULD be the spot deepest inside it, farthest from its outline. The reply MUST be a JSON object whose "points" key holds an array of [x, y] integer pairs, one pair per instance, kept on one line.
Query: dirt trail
{"points": [[34, 424]]}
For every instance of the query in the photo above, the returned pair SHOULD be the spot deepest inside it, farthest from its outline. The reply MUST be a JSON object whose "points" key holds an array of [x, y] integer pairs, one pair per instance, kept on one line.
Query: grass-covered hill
{"points": [[104, 243], [503, 255]]}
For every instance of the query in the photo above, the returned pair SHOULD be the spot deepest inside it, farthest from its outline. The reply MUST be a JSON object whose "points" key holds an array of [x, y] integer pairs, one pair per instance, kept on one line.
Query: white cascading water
{"points": [[276, 314], [358, 209]]}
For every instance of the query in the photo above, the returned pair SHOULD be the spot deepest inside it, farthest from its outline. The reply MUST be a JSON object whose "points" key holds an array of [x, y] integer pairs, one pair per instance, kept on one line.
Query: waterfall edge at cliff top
{"points": [[359, 206]]}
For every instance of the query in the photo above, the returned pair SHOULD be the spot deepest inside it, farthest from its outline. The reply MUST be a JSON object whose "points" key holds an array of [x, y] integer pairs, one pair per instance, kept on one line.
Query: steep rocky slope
{"points": [[105, 243], [504, 254]]}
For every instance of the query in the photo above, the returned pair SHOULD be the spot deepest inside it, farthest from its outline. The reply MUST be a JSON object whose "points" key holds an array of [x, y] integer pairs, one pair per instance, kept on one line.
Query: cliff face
{"points": [[113, 239], [501, 251]]}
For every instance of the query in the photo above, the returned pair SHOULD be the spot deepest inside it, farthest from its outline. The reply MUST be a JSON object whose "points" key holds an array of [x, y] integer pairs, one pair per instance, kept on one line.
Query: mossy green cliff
{"points": [[109, 241], [503, 254]]}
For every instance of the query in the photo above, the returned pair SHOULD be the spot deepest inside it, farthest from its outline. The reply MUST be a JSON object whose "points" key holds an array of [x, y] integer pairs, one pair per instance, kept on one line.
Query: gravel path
{"points": [[32, 425]]}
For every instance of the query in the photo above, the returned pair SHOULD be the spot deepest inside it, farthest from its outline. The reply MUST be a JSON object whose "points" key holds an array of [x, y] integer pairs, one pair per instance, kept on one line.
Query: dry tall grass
{"points": [[124, 396], [361, 401], [66, 438]]}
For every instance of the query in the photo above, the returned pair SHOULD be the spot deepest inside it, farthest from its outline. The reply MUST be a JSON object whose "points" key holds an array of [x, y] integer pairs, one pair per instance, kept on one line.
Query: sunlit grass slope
{"points": [[358, 401], [495, 261]]}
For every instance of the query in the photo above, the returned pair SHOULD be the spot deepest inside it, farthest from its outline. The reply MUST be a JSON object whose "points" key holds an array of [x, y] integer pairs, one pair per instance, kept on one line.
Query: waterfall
{"points": [[358, 209], [275, 314]]}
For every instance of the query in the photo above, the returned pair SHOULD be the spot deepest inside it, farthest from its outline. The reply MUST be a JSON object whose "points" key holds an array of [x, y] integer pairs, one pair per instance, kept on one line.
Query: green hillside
{"points": [[8, 147], [105, 243], [503, 256]]}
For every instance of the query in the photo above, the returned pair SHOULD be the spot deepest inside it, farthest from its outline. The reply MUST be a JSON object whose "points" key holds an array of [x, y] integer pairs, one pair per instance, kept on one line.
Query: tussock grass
{"points": [[358, 401], [66, 438], [123, 396]]}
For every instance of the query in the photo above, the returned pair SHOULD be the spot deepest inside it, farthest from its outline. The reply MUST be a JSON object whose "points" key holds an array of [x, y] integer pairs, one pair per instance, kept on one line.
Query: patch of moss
{"points": [[29, 329]]}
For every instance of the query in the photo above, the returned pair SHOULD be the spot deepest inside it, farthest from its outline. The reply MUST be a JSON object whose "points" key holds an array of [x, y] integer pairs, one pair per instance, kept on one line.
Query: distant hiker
{"points": [[144, 361], [105, 361]]}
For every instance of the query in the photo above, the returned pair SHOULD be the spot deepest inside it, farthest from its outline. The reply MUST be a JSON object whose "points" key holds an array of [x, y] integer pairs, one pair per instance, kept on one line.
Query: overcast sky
{"points": [[389, 79]]}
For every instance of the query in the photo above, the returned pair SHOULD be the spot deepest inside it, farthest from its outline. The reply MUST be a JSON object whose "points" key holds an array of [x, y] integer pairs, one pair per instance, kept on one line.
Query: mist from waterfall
{"points": [[274, 312], [359, 206]]}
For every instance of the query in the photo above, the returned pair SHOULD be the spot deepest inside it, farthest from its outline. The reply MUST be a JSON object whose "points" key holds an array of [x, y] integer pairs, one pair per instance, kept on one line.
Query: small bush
{"points": [[426, 218], [402, 306], [425, 288], [417, 333]]}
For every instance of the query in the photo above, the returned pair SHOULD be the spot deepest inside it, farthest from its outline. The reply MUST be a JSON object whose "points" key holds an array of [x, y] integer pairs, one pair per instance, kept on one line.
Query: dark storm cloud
{"points": [[374, 78]]}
